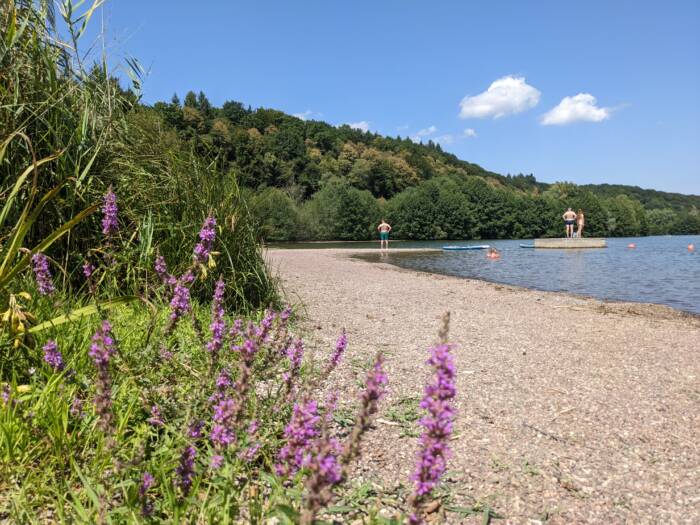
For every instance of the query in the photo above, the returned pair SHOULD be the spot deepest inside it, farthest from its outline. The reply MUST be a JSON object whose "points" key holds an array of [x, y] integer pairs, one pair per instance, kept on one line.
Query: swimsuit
{"points": [[570, 222], [384, 236]]}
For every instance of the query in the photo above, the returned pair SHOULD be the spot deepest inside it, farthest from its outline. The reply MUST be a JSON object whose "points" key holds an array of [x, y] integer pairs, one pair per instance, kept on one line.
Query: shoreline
{"points": [[642, 308], [540, 377]]}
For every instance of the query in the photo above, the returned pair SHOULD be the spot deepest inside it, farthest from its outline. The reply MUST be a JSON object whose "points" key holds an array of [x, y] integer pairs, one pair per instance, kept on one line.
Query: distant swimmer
{"points": [[384, 229], [631, 245], [691, 247], [581, 222], [569, 219], [493, 254]]}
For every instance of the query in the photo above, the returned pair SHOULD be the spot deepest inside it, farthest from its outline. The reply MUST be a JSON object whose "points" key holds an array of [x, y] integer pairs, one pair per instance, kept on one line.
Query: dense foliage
{"points": [[303, 174], [69, 131]]}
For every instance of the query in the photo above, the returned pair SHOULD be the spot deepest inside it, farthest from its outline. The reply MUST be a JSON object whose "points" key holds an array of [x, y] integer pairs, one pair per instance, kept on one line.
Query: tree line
{"points": [[310, 180]]}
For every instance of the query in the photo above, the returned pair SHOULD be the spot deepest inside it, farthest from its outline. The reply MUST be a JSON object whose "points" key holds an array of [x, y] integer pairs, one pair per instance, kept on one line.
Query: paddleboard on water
{"points": [[527, 245], [471, 247]]}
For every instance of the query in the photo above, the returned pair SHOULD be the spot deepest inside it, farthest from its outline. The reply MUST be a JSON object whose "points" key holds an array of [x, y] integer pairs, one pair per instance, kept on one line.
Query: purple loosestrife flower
{"points": [[185, 470], [76, 408], [236, 329], [88, 269], [42, 273], [180, 303], [300, 433], [325, 471], [162, 271], [218, 324], [195, 430], [156, 418], [437, 425], [217, 461], [52, 356], [161, 267], [5, 394], [340, 346], [165, 354], [375, 385], [207, 235], [250, 452], [263, 332], [110, 224], [101, 350], [223, 380], [146, 483]]}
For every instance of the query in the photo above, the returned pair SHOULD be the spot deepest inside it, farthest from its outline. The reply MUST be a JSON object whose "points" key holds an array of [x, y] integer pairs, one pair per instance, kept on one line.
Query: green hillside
{"points": [[311, 180]]}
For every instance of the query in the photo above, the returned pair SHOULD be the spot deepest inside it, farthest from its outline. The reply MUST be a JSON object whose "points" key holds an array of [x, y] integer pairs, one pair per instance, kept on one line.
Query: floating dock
{"points": [[564, 243]]}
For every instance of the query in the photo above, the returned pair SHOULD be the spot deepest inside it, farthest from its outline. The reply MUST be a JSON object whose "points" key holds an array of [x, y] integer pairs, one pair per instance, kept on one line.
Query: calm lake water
{"points": [[659, 270]]}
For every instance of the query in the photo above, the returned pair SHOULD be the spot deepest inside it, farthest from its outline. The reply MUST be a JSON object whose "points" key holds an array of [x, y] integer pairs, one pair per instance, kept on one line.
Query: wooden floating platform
{"points": [[564, 243]]}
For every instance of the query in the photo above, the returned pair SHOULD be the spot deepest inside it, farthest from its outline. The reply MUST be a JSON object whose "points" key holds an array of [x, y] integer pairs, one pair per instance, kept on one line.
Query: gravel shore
{"points": [[570, 410]]}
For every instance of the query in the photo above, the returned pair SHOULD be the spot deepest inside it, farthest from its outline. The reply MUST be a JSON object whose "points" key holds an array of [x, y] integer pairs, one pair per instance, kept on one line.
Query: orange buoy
{"points": [[691, 247], [631, 245]]}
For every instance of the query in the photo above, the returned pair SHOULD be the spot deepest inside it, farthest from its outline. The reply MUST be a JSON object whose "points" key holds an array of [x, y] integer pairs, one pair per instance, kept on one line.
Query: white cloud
{"points": [[363, 125], [426, 131], [304, 115], [505, 96], [581, 107], [445, 139], [469, 132], [404, 127]]}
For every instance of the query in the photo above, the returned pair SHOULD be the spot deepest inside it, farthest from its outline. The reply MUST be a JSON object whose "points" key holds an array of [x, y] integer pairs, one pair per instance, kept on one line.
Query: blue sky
{"points": [[630, 70]]}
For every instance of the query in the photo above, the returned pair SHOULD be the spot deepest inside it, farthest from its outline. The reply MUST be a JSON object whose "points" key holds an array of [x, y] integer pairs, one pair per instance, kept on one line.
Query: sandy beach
{"points": [[570, 410]]}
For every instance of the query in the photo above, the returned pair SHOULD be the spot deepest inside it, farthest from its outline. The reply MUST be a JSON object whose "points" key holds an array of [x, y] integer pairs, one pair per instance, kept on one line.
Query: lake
{"points": [[659, 270]]}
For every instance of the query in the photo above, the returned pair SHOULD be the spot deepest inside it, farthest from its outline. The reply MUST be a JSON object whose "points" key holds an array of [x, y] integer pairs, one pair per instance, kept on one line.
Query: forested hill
{"points": [[309, 180]]}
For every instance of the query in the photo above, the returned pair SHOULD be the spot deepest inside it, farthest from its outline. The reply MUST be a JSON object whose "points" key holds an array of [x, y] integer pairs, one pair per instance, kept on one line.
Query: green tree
{"points": [[276, 215], [339, 211]]}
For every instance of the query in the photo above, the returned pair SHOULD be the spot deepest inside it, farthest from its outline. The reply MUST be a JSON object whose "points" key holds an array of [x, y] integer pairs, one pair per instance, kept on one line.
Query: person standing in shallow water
{"points": [[384, 228], [569, 219]]}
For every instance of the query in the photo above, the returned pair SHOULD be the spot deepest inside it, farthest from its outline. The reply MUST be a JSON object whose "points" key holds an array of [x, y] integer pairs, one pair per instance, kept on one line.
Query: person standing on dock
{"points": [[384, 229], [569, 219], [581, 222]]}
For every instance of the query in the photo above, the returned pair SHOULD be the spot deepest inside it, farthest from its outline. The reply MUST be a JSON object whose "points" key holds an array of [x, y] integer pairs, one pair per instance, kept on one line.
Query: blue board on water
{"points": [[527, 245], [472, 247]]}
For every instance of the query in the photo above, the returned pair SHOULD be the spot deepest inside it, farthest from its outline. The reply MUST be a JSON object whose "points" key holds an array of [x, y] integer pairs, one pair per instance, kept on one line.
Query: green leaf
{"points": [[48, 241], [82, 312], [287, 512]]}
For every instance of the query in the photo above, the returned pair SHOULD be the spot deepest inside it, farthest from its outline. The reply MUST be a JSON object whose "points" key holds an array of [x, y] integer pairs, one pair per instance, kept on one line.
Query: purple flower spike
{"points": [[437, 424], [207, 235], [156, 418], [102, 346], [161, 268], [52, 356], [217, 461], [110, 224], [374, 390], [185, 470], [218, 324], [88, 269], [180, 303], [300, 434], [146, 483], [195, 430], [42, 273], [340, 346], [101, 350]]}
